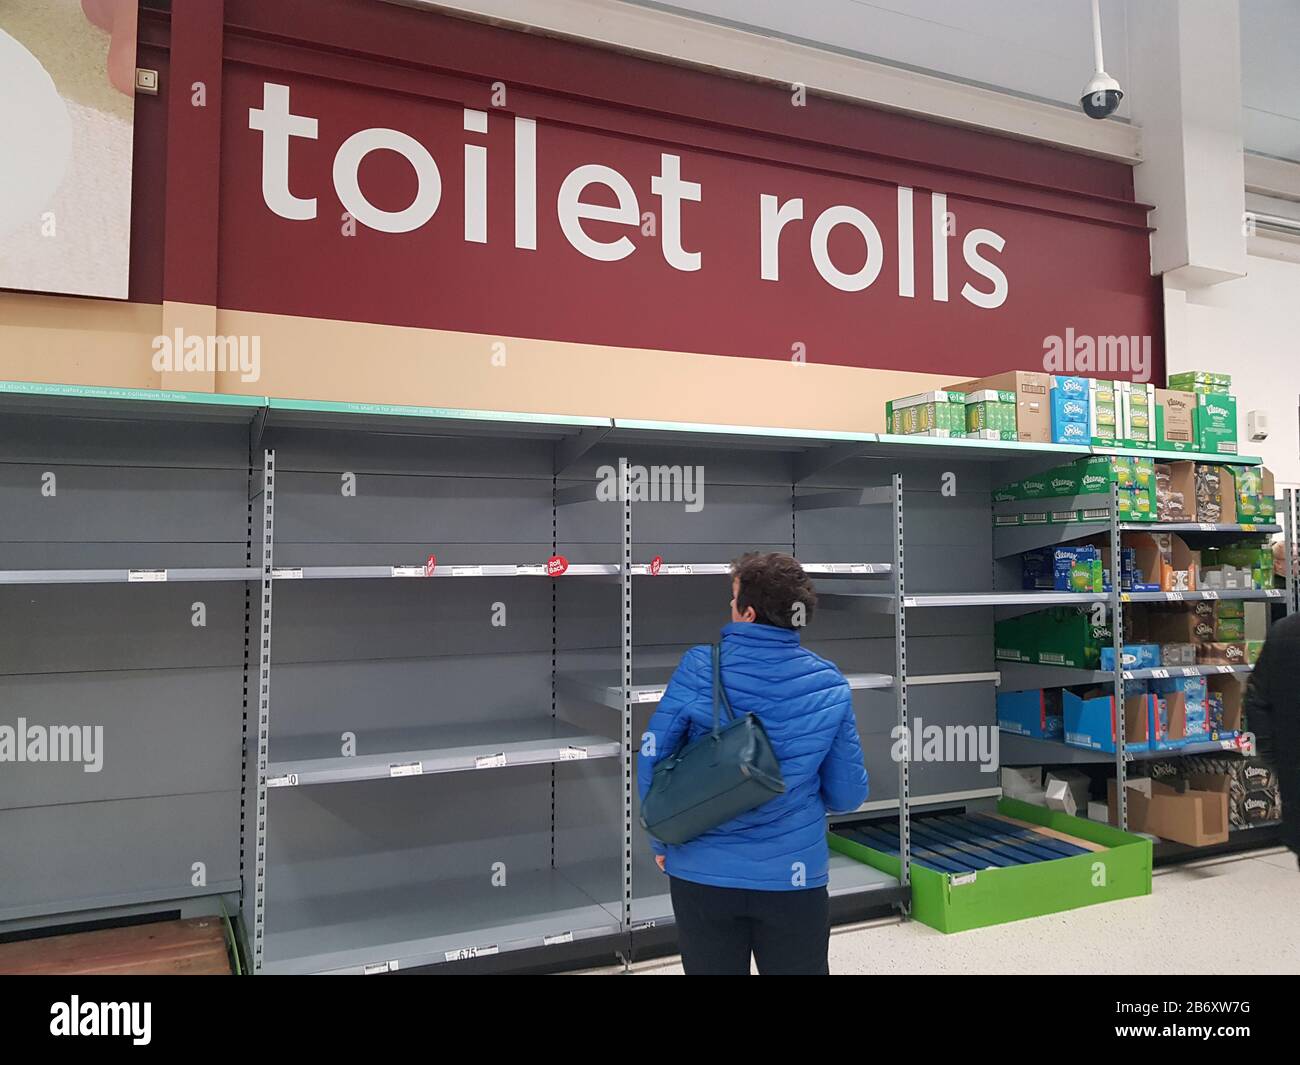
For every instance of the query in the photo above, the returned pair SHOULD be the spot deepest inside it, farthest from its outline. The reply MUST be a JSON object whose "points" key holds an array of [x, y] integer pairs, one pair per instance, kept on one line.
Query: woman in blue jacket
{"points": [[757, 884]]}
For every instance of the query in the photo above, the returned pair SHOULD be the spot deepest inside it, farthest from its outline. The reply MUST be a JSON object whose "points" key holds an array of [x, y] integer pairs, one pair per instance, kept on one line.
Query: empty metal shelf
{"points": [[304, 760]]}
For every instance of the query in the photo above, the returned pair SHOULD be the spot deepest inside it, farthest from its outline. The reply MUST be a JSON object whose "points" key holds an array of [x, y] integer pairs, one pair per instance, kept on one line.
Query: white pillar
{"points": [[1186, 96]]}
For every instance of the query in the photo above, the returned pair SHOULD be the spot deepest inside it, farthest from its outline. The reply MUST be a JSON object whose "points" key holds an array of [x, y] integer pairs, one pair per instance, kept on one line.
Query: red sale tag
{"points": [[430, 564], [655, 564], [555, 565]]}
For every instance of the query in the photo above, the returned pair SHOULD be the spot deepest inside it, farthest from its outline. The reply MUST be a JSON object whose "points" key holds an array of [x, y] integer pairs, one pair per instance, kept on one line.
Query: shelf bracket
{"points": [[571, 448], [810, 463]]}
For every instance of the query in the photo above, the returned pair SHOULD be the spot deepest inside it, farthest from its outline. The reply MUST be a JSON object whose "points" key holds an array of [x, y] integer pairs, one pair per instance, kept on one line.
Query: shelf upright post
{"points": [[263, 708], [1289, 546], [1117, 641], [625, 641], [900, 694]]}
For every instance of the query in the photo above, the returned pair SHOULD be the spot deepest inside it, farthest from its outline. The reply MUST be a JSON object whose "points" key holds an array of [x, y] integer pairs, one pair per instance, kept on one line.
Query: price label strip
{"points": [[467, 571], [146, 576], [375, 968], [287, 573], [653, 695], [490, 761], [573, 754], [406, 769], [407, 571], [288, 780]]}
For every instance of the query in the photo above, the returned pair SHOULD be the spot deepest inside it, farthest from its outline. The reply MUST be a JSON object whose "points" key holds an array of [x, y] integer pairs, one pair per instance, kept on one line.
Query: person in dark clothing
{"points": [[1273, 715]]}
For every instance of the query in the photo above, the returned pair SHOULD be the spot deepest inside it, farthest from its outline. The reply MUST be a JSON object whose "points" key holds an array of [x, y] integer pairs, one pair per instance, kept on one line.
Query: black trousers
{"points": [[788, 932]]}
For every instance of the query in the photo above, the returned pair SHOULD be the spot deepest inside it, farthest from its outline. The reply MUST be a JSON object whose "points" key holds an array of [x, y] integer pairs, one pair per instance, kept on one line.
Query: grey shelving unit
{"points": [[377, 773], [1011, 540], [124, 579]]}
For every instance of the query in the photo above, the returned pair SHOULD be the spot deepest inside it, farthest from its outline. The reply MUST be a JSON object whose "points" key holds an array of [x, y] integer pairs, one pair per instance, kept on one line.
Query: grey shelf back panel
{"points": [[78, 628], [722, 466], [164, 732], [311, 508], [81, 856], [122, 504], [340, 839], [321, 621], [470, 457], [69, 441], [329, 698], [958, 705]]}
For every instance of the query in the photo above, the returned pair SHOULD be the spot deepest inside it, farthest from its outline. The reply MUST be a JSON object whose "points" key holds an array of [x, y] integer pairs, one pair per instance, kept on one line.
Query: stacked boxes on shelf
{"points": [[1094, 475], [939, 414], [1251, 786], [1058, 636], [1072, 410], [1137, 414], [1237, 566], [991, 414], [1103, 413], [1084, 567], [1029, 390], [1209, 632], [1214, 410]]}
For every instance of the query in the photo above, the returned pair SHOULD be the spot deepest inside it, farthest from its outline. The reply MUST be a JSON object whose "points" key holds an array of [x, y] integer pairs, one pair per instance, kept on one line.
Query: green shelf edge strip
{"points": [[145, 395], [434, 413]]}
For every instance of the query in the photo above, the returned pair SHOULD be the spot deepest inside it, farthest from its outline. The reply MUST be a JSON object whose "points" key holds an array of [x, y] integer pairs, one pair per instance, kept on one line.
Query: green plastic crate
{"points": [[958, 902]]}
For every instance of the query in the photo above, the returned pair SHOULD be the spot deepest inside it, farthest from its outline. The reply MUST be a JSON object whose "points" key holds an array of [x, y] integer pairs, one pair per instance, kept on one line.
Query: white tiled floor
{"points": [[1231, 915]]}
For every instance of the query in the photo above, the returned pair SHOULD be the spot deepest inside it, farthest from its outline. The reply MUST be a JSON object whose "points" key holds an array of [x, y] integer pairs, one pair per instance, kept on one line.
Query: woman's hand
{"points": [[659, 861]]}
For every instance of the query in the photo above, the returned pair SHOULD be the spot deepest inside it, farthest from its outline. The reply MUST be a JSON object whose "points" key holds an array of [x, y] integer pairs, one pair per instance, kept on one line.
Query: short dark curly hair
{"points": [[772, 583]]}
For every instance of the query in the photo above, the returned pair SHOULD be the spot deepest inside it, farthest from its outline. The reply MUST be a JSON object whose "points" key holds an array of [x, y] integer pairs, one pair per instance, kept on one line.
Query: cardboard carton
{"points": [[1175, 420], [1090, 720], [1197, 818], [1216, 423]]}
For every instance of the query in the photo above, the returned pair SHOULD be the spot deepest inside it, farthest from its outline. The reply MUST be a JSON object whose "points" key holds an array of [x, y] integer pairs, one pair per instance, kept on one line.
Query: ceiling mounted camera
{"points": [[1102, 94]]}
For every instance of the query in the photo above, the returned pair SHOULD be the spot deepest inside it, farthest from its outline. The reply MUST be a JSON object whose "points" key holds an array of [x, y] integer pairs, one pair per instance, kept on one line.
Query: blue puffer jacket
{"points": [[805, 706]]}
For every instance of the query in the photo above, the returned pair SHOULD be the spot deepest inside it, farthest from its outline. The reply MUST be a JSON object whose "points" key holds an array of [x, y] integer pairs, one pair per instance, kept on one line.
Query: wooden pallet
{"points": [[194, 947]]}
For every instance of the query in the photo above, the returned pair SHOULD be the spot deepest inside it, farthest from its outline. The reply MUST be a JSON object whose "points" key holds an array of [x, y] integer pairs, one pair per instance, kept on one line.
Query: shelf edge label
{"points": [[145, 576], [288, 780], [286, 573], [490, 761], [465, 953], [405, 769]]}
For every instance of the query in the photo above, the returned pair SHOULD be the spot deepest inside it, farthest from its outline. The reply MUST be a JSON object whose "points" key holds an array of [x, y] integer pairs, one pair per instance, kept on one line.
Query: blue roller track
{"points": [[1060, 847], [965, 843]]}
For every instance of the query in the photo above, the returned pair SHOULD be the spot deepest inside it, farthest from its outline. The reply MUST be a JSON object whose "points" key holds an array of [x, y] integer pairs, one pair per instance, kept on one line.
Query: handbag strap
{"points": [[719, 692]]}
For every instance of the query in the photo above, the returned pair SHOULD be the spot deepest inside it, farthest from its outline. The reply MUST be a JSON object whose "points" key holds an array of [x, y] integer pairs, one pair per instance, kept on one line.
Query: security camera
{"points": [[1101, 96]]}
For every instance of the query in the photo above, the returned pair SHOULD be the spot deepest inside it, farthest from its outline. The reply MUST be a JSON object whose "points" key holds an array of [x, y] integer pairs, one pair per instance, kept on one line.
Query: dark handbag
{"points": [[721, 775]]}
